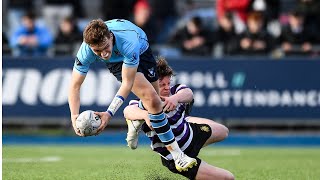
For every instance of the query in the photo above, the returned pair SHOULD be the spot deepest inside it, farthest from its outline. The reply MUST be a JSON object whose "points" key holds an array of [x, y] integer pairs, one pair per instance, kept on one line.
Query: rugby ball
{"points": [[88, 123]]}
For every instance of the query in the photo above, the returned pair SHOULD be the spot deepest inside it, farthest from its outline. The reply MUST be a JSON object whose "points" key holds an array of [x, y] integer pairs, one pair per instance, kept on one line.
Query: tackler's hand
{"points": [[169, 103]]}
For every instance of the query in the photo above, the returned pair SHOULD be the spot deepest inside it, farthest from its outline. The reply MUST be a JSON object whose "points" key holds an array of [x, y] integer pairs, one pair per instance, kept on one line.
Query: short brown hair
{"points": [[95, 32], [163, 68], [255, 16]]}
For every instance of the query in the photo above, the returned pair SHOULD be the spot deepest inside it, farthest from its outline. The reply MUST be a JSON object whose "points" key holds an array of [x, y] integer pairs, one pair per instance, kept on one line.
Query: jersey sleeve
{"points": [[177, 88], [83, 59], [138, 103], [134, 102], [188, 106], [131, 52]]}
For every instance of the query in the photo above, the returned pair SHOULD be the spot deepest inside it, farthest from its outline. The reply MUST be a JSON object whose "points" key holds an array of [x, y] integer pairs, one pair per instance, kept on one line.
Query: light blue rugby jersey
{"points": [[130, 42]]}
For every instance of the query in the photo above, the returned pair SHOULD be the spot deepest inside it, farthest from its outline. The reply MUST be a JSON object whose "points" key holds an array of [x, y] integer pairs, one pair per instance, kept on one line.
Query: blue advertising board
{"points": [[222, 88]]}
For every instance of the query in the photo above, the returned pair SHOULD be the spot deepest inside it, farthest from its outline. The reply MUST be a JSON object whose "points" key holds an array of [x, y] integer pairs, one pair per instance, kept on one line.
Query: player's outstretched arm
{"points": [[128, 76], [74, 98]]}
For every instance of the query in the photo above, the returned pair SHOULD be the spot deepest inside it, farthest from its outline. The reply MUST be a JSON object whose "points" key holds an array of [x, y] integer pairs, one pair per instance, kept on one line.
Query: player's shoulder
{"points": [[177, 87], [119, 24], [85, 54]]}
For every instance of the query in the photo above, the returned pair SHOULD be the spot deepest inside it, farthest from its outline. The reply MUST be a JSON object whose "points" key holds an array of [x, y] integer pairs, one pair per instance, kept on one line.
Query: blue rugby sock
{"points": [[161, 126]]}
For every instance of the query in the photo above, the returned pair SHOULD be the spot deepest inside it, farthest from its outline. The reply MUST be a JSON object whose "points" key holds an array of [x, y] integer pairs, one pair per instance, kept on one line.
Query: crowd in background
{"points": [[216, 28]]}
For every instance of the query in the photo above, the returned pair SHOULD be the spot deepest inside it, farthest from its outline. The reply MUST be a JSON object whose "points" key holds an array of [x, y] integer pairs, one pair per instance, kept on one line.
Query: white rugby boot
{"points": [[184, 162], [134, 127]]}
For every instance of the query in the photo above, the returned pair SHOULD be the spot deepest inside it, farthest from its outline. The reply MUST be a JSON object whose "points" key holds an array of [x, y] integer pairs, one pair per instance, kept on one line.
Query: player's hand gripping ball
{"points": [[88, 123]]}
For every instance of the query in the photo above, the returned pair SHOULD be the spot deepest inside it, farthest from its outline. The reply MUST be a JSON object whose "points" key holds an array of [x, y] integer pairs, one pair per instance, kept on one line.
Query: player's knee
{"points": [[225, 132], [229, 176], [151, 100], [222, 132]]}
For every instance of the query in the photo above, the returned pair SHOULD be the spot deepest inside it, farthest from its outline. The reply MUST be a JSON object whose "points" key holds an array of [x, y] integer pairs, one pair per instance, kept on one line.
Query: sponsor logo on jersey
{"points": [[78, 62], [117, 53], [134, 56]]}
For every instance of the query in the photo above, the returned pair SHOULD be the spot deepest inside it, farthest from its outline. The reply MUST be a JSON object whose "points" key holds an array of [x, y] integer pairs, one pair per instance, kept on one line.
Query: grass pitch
{"points": [[114, 162]]}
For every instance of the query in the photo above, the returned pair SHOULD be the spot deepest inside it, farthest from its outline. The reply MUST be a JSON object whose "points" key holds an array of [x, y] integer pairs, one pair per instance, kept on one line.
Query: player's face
{"points": [[164, 85], [104, 49]]}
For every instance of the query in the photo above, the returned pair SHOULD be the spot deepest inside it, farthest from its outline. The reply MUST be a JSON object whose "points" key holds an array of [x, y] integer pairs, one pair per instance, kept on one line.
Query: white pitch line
{"points": [[217, 152], [28, 160]]}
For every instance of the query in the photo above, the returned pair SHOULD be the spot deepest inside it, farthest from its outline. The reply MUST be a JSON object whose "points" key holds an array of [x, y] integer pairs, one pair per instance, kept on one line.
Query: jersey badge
{"points": [[204, 128], [152, 72]]}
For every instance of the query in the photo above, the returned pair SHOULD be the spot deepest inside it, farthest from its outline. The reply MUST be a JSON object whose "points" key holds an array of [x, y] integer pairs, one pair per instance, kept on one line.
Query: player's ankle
{"points": [[174, 149]]}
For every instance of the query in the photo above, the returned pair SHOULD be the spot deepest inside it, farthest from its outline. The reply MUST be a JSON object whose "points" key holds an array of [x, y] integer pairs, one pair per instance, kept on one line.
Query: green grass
{"points": [[120, 163]]}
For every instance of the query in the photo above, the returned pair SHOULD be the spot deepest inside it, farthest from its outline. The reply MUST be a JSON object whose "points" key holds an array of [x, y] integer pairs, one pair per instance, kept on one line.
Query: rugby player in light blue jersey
{"points": [[192, 133], [124, 48]]}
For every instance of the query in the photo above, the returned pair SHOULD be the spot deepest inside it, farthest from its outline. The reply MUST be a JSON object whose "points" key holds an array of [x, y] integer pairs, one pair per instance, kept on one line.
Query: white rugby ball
{"points": [[88, 123]]}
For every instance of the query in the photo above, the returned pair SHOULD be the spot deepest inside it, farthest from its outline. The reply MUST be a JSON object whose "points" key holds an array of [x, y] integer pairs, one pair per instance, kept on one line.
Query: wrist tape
{"points": [[115, 104]]}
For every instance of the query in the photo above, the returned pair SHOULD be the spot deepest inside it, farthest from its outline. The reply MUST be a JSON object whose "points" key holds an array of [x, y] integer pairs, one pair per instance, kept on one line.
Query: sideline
{"points": [[118, 138], [32, 160]]}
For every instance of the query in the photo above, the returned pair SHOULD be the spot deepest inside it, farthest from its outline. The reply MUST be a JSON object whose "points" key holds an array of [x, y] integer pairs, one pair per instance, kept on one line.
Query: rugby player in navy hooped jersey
{"points": [[124, 48], [192, 133]]}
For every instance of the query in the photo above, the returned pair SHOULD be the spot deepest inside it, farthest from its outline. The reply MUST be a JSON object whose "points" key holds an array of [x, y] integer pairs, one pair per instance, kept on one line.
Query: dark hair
{"points": [[296, 12], [255, 16], [69, 19], [30, 15], [95, 32], [163, 68], [197, 21]]}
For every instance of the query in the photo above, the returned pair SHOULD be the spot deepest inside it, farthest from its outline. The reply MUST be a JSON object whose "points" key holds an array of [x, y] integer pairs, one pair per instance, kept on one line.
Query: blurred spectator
{"points": [[92, 9], [69, 36], [5, 45], [142, 18], [5, 25], [269, 8], [193, 39], [255, 40], [165, 17], [16, 9], [30, 39], [117, 9], [54, 11], [296, 38], [271, 11], [311, 11], [226, 35], [239, 10]]}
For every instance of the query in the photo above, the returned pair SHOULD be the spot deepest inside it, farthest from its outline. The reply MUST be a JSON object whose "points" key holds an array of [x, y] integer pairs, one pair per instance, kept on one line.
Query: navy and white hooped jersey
{"points": [[178, 123], [130, 42]]}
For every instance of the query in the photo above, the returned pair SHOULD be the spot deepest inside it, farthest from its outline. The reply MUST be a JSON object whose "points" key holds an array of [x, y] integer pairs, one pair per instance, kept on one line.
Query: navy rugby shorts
{"points": [[147, 66]]}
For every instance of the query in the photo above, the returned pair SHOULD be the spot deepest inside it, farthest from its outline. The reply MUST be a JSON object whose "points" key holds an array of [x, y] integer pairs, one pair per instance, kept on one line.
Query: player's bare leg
{"points": [[219, 131], [207, 171]]}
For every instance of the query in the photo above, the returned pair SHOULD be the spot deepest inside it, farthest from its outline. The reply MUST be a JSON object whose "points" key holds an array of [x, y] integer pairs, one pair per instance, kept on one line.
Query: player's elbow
{"points": [[189, 94]]}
